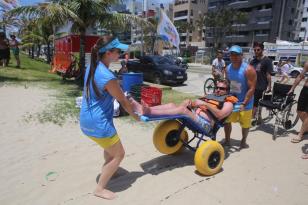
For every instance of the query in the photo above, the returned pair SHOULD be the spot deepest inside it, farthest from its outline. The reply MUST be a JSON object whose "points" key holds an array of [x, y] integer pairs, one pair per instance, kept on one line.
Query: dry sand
{"points": [[49, 164]]}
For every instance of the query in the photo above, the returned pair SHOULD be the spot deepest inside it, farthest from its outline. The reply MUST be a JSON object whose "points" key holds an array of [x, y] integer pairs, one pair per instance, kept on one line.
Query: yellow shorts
{"points": [[106, 142], [243, 117]]}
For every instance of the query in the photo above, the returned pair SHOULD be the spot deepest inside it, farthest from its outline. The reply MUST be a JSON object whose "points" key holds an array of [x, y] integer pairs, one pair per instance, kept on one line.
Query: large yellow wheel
{"points": [[209, 158], [165, 137]]}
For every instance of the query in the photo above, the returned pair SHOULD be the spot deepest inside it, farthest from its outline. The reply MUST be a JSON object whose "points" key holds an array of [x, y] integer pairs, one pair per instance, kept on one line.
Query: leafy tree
{"points": [[184, 27], [219, 24], [82, 13]]}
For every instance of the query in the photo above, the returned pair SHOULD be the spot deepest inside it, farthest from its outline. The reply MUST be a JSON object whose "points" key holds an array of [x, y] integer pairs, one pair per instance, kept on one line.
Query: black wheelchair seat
{"points": [[269, 104], [279, 99], [281, 106]]}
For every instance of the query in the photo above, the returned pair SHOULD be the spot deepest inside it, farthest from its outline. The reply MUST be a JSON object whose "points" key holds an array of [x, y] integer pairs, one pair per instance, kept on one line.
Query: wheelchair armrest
{"points": [[266, 96]]}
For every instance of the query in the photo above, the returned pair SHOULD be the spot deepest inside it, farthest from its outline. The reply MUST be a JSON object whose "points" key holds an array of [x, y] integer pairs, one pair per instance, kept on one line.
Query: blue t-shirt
{"points": [[96, 114], [238, 83]]}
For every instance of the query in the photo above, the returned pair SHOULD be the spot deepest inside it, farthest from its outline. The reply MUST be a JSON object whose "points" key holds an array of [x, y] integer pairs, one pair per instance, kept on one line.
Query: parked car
{"points": [[293, 71], [178, 61], [158, 69]]}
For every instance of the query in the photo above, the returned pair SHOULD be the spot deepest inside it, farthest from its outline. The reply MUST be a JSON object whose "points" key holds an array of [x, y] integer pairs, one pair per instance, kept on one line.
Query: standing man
{"points": [[15, 49], [302, 106], [285, 68], [263, 67], [243, 80], [218, 66]]}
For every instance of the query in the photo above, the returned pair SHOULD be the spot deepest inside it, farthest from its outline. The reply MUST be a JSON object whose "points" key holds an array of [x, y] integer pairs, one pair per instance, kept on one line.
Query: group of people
{"points": [[258, 72], [101, 87], [5, 47]]}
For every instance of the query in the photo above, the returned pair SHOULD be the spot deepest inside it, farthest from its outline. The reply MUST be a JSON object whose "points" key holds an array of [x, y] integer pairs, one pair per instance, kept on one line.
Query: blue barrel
{"points": [[130, 79]]}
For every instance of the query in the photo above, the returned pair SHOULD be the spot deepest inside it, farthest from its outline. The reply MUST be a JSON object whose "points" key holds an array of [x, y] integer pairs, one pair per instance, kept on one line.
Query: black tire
{"points": [[157, 79], [290, 116], [209, 86], [294, 74]]}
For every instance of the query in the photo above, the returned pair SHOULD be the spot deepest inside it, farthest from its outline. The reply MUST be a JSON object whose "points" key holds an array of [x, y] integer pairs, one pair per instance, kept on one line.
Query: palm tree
{"points": [[82, 13], [184, 27]]}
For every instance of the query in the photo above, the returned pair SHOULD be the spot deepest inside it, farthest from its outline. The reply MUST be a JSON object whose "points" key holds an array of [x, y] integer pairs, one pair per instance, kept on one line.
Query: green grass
{"points": [[58, 111], [35, 73]]}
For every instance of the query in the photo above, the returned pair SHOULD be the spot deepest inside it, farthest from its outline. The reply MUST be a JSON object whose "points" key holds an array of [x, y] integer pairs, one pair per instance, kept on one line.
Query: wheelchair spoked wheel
{"points": [[266, 114], [209, 86], [166, 138], [290, 116], [209, 158]]}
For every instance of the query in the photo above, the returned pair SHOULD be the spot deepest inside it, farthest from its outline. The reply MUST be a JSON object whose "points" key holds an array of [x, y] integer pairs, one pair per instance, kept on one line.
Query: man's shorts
{"points": [[15, 51], [106, 142], [243, 117], [302, 100], [257, 96]]}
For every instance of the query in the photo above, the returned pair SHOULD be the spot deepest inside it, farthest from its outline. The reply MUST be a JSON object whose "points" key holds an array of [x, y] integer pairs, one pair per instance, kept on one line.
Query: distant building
{"points": [[189, 12], [304, 23], [268, 20]]}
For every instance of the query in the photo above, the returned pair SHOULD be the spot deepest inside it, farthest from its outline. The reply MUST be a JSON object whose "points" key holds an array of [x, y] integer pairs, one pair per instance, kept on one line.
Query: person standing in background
{"points": [[263, 67], [4, 50], [218, 66], [15, 49]]}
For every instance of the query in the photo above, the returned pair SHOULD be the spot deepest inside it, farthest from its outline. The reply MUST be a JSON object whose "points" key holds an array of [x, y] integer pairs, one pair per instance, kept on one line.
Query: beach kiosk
{"points": [[66, 52]]}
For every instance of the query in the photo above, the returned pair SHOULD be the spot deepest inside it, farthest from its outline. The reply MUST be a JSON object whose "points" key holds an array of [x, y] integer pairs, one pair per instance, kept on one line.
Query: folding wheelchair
{"points": [[280, 106]]}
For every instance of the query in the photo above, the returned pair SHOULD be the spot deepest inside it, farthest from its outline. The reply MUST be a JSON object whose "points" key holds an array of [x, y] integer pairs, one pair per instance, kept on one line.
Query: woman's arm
{"points": [[114, 89]]}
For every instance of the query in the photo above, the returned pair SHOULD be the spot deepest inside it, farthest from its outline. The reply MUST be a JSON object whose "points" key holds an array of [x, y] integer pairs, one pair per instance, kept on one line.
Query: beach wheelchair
{"points": [[280, 106], [170, 136]]}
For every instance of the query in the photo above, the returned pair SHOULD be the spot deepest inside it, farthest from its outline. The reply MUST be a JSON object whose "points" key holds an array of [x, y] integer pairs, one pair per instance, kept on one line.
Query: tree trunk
{"points": [[38, 52], [48, 53], [82, 55], [32, 52]]}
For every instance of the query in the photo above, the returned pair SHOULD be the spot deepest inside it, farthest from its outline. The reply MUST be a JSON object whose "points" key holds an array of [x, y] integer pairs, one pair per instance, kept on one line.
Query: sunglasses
{"points": [[221, 88]]}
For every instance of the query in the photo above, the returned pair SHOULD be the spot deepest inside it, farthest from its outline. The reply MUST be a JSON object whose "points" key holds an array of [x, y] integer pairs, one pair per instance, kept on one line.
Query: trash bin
{"points": [[130, 79]]}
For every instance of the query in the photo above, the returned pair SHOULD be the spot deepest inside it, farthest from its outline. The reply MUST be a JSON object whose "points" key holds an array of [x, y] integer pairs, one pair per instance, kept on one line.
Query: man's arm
{"points": [[214, 66], [251, 77], [269, 80], [218, 113], [300, 77], [269, 70]]}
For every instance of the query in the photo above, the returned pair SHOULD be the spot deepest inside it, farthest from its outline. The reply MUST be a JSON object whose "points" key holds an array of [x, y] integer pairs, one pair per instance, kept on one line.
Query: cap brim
{"points": [[122, 46], [235, 52]]}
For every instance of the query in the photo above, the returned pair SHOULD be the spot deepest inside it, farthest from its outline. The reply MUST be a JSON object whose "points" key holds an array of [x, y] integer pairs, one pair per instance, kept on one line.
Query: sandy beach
{"points": [[51, 164]]}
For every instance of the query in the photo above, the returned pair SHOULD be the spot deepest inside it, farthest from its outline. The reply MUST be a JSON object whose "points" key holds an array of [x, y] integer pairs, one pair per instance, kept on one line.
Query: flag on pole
{"points": [[167, 30]]}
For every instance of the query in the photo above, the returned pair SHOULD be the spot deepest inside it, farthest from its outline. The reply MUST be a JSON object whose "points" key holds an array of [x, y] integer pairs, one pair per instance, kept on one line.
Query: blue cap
{"points": [[236, 49], [115, 43]]}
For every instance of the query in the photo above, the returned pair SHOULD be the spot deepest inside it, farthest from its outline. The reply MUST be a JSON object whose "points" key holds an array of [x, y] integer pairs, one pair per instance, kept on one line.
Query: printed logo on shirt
{"points": [[235, 87]]}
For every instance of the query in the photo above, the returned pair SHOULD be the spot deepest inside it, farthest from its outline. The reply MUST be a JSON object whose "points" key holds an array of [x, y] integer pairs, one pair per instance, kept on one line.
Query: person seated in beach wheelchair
{"points": [[280, 105], [203, 117]]}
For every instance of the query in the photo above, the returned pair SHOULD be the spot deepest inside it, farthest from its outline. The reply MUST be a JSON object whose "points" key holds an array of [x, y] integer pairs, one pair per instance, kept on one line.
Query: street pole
{"points": [[303, 45]]}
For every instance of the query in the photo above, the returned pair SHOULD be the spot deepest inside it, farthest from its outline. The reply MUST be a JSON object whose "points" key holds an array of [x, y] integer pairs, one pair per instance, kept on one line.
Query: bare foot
{"points": [[104, 193], [297, 139], [137, 107], [244, 145], [226, 143], [305, 156]]}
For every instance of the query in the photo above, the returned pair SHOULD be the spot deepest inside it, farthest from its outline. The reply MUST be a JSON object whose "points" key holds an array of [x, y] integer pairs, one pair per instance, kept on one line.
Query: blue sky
{"points": [[29, 2]]}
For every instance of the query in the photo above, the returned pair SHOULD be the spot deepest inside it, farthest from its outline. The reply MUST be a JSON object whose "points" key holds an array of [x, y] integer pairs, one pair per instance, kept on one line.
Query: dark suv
{"points": [[158, 69]]}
